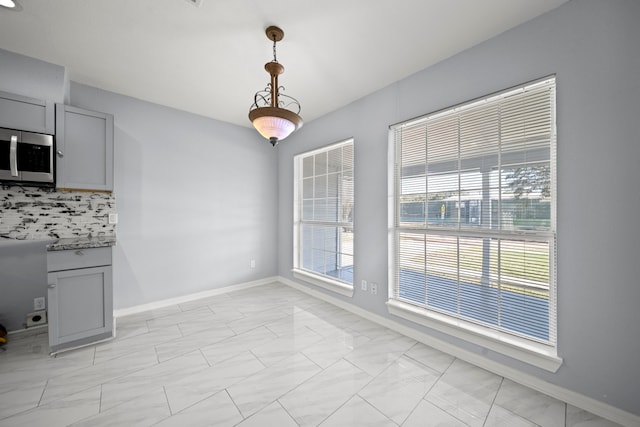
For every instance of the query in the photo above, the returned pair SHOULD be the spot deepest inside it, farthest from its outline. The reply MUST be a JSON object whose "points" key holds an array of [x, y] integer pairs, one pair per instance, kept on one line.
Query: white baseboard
{"points": [[191, 297], [33, 330], [571, 397]]}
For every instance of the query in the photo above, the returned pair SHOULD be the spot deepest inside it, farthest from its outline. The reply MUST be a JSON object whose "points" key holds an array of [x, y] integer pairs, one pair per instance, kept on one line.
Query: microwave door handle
{"points": [[13, 155]]}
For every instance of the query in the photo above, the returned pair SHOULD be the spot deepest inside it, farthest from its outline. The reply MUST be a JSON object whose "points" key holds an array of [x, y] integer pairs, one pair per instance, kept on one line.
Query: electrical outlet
{"points": [[363, 285], [38, 303], [374, 288], [37, 318], [113, 218], [253, 263]]}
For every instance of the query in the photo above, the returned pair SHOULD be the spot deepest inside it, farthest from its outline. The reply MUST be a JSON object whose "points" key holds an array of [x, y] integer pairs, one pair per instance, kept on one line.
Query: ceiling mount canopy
{"points": [[274, 114]]}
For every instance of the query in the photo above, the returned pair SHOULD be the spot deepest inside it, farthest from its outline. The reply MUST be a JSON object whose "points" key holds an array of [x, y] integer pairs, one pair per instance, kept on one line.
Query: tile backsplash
{"points": [[39, 213]]}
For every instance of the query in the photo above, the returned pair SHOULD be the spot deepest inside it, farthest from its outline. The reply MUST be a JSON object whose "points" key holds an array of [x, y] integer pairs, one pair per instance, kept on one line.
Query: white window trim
{"points": [[331, 285], [527, 351], [536, 354], [325, 282]]}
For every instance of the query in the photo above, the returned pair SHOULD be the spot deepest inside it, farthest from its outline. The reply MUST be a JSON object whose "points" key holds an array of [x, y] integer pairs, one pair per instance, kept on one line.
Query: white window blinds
{"points": [[324, 212], [474, 213]]}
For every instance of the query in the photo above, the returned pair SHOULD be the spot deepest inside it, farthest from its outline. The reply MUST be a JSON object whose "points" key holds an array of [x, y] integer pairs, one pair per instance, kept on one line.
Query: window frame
{"points": [[318, 279], [537, 353]]}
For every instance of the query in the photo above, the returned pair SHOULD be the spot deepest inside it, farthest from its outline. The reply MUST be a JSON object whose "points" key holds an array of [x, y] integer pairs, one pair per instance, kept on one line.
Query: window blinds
{"points": [[325, 211], [474, 203]]}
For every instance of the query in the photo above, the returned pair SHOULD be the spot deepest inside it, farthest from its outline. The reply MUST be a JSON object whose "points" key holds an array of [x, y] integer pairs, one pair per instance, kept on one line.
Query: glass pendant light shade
{"points": [[275, 124]]}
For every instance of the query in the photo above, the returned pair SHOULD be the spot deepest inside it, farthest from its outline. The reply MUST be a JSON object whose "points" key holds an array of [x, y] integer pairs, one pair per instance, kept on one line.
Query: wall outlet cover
{"points": [[36, 318], [113, 218], [39, 303]]}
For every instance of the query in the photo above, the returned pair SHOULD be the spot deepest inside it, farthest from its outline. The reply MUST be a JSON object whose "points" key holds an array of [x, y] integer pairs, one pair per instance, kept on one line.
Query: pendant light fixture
{"points": [[273, 114]]}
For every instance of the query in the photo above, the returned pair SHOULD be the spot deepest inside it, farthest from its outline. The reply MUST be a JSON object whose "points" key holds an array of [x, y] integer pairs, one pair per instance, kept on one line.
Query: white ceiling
{"points": [[209, 59]]}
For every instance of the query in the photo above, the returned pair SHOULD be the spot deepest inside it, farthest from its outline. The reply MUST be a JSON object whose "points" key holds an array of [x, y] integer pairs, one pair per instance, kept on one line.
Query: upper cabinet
{"points": [[24, 113], [84, 145]]}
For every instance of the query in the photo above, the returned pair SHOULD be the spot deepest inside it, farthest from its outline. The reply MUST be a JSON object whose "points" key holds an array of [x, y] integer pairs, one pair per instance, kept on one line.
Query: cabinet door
{"points": [[80, 307], [84, 144], [23, 113]]}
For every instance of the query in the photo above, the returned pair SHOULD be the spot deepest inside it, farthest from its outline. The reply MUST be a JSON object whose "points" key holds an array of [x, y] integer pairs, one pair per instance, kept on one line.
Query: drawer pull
{"points": [[52, 286], [13, 155], [79, 252]]}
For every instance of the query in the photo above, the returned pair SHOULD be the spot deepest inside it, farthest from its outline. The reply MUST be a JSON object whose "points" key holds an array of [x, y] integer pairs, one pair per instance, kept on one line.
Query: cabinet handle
{"points": [[52, 286], [60, 153], [13, 155], [79, 252]]}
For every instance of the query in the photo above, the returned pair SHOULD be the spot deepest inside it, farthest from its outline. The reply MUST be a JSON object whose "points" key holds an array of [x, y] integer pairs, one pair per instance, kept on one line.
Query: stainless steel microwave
{"points": [[26, 158]]}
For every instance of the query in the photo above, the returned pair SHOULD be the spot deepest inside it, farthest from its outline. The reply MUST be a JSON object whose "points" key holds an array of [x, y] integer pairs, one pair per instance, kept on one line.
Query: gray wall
{"points": [[23, 277], [196, 198], [592, 47]]}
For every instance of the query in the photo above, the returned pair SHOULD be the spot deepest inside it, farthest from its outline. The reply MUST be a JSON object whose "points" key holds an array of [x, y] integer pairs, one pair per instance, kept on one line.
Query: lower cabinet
{"points": [[80, 297]]}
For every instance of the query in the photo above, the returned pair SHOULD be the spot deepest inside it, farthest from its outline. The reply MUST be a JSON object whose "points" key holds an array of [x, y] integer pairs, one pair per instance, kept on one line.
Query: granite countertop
{"points": [[84, 242]]}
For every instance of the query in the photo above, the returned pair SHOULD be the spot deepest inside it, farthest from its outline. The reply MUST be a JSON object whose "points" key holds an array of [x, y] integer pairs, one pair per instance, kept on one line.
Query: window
{"points": [[323, 217], [473, 233]]}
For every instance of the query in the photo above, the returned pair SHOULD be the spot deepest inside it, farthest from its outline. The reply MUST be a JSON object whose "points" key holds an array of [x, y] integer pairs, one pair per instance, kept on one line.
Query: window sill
{"points": [[539, 355], [324, 282]]}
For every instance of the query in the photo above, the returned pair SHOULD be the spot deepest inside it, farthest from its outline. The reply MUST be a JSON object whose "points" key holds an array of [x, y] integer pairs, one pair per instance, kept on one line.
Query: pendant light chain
{"points": [[274, 49]]}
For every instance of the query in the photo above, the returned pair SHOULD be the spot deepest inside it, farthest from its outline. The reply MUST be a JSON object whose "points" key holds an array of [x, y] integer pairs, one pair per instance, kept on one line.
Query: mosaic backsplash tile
{"points": [[40, 213]]}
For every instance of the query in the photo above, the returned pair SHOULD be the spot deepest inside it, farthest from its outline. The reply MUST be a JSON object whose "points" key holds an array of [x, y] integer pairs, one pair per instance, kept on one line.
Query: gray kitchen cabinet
{"points": [[24, 113], [80, 297], [84, 145]]}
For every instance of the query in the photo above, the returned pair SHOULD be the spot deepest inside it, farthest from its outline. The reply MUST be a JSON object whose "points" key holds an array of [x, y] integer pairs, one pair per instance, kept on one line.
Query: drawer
{"points": [[78, 258]]}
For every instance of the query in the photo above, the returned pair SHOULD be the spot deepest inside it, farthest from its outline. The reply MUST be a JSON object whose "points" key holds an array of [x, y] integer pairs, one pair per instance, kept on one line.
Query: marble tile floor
{"points": [[265, 356]]}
